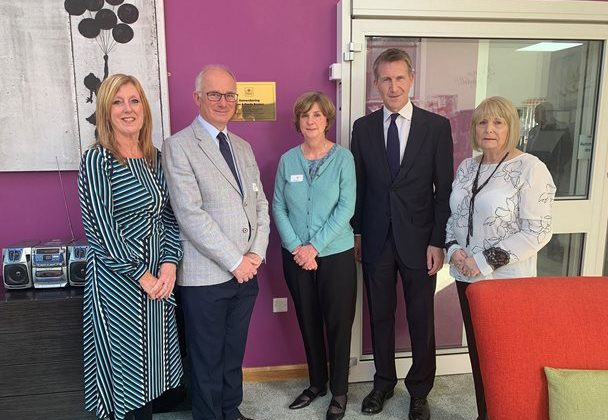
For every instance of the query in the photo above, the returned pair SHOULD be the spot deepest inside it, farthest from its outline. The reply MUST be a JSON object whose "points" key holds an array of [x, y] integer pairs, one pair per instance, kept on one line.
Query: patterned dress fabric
{"points": [[131, 349], [512, 213]]}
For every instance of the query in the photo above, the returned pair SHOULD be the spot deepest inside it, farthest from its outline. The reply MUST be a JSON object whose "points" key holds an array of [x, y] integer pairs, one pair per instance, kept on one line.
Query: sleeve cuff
{"points": [[316, 246], [139, 271], [292, 245], [482, 264], [236, 265], [450, 251], [175, 259]]}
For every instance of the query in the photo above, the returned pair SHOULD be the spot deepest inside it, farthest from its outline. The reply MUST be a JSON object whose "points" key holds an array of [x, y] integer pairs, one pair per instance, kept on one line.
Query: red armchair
{"points": [[523, 325]]}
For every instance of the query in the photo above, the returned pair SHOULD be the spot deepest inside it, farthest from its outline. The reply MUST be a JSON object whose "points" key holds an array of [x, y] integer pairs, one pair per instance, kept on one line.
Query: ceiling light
{"points": [[550, 46]]}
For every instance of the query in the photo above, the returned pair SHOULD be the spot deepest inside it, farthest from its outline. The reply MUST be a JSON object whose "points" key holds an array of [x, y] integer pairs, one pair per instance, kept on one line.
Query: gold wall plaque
{"points": [[257, 101]]}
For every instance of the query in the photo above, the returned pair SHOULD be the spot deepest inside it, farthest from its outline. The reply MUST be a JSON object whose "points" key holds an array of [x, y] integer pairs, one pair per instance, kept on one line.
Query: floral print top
{"points": [[512, 216]]}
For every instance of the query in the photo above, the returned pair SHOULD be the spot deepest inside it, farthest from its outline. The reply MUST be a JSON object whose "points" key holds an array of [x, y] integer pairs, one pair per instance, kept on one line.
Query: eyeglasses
{"points": [[216, 96]]}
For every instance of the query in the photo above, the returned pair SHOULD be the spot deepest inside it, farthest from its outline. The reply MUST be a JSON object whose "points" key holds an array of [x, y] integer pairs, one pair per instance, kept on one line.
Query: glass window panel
{"points": [[553, 84], [556, 93], [562, 256]]}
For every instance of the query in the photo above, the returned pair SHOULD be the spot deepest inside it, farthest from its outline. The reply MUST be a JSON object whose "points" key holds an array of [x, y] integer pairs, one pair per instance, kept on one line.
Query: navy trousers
{"points": [[217, 320], [419, 290]]}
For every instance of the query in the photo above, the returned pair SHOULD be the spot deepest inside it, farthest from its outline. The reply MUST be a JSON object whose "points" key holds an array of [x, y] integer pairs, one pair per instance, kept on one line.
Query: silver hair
{"points": [[199, 77]]}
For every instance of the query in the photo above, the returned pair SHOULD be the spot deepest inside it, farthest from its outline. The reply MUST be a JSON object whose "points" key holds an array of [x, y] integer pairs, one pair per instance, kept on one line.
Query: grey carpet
{"points": [[452, 398]]}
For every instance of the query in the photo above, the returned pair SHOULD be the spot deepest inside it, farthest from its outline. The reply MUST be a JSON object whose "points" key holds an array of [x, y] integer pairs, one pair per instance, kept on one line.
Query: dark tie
{"points": [[225, 149], [392, 147]]}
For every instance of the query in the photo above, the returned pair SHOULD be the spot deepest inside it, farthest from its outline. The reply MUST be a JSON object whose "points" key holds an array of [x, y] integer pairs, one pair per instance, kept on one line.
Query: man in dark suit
{"points": [[404, 163]]}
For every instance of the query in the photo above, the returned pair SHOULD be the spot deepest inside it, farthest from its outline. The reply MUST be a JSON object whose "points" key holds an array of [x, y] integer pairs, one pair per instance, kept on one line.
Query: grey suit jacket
{"points": [[214, 219]]}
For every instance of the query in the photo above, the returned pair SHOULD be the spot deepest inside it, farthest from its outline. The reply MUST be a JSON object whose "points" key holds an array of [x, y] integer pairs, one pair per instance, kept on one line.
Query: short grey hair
{"points": [[206, 69]]}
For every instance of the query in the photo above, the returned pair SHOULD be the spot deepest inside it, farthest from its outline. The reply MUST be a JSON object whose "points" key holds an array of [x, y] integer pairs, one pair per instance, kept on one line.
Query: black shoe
{"points": [[419, 409], [306, 397], [374, 401], [335, 411], [242, 417]]}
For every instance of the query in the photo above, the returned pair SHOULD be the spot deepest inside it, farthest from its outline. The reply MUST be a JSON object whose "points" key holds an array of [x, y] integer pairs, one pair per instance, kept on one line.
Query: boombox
{"points": [[49, 264], [77, 261], [17, 266]]}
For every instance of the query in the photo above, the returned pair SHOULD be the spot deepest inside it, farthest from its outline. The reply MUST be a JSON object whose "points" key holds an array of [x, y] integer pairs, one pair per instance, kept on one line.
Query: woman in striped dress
{"points": [[131, 350]]}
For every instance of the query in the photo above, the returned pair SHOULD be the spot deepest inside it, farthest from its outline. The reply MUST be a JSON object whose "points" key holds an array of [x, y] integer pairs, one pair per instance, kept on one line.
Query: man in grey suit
{"points": [[219, 203]]}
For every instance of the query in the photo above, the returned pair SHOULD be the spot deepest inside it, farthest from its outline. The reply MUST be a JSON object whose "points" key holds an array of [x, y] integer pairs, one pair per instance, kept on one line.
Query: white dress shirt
{"points": [[403, 122]]}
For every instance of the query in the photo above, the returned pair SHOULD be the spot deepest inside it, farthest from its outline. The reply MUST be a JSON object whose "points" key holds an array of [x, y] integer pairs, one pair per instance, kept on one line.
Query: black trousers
{"points": [[326, 298], [217, 320], [419, 289], [462, 286]]}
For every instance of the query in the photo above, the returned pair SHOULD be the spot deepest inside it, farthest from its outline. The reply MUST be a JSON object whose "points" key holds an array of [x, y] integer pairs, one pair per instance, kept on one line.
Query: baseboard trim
{"points": [[275, 373]]}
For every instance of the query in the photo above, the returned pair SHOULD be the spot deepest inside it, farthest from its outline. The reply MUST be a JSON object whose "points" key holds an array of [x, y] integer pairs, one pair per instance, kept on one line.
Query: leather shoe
{"points": [[419, 409], [306, 397], [242, 417], [374, 401], [335, 414]]}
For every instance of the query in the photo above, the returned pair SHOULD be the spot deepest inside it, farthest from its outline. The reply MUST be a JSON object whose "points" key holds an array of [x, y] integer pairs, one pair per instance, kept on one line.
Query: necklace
{"points": [[475, 190]]}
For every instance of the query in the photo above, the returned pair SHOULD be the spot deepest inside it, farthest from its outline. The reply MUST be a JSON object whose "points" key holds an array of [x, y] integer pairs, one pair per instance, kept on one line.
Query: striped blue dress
{"points": [[131, 349]]}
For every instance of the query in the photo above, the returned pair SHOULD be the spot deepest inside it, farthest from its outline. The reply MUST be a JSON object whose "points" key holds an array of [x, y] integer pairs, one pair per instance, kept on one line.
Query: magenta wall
{"points": [[291, 43]]}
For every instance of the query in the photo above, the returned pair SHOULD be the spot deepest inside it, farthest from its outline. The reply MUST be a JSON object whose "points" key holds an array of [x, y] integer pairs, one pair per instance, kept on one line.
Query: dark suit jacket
{"points": [[416, 203]]}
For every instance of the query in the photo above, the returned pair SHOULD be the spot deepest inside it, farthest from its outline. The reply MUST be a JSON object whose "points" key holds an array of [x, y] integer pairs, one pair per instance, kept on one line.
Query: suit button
{"points": [[245, 230], [245, 204]]}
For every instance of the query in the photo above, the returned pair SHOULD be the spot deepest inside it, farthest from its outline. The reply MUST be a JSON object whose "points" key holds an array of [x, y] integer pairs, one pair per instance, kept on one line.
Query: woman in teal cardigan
{"points": [[314, 200]]}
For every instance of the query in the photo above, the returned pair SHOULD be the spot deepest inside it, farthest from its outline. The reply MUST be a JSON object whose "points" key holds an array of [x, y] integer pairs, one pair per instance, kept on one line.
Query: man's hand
{"points": [[434, 259], [304, 255], [255, 259], [358, 248], [166, 276], [245, 270]]}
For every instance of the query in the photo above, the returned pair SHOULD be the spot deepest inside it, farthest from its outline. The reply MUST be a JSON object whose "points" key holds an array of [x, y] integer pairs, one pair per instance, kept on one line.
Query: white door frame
{"points": [[475, 19]]}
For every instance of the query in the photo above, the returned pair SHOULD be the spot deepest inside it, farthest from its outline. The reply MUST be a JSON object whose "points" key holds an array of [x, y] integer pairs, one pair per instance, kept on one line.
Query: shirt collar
{"points": [[213, 132], [405, 112]]}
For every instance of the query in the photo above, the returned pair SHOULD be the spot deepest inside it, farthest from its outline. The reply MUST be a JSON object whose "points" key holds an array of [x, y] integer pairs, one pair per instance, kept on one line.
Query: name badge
{"points": [[296, 178], [255, 187]]}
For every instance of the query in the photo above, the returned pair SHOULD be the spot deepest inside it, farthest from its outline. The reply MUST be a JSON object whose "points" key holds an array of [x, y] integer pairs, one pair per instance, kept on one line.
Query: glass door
{"points": [[554, 81]]}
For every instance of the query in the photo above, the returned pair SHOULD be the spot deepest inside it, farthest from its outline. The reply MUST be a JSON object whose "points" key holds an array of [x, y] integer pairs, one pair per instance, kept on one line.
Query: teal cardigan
{"points": [[315, 211]]}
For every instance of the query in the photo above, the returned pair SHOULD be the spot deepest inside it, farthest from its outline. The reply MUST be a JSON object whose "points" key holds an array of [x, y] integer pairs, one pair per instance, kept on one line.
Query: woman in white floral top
{"points": [[501, 212]]}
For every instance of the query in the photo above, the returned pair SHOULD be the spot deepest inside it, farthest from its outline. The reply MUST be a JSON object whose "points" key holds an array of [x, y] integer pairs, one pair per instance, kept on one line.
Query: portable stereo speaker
{"points": [[17, 265], [77, 262]]}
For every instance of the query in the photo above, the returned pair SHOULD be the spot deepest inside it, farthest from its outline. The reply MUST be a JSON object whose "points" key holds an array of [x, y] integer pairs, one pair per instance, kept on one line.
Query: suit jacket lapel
{"points": [[241, 163], [212, 151], [415, 139]]}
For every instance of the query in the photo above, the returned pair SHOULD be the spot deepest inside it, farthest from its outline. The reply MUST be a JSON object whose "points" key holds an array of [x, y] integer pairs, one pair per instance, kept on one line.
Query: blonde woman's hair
{"points": [[496, 106], [105, 134]]}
